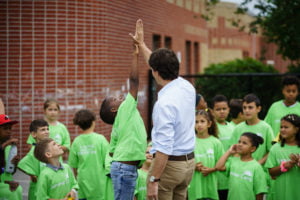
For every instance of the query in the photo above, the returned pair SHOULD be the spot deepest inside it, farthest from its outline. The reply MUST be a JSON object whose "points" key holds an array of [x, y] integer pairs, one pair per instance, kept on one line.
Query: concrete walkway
{"points": [[23, 180]]}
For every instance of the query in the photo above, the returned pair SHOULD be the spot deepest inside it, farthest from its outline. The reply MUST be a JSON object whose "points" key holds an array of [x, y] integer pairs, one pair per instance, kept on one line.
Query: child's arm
{"points": [[2, 110], [71, 194], [277, 171], [75, 172], [138, 39], [134, 74], [259, 196], [9, 142], [13, 185], [264, 159], [220, 166], [207, 170]]}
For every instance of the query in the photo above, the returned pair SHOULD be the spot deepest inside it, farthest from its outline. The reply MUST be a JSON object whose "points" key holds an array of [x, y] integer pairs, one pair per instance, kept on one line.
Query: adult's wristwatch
{"points": [[153, 179]]}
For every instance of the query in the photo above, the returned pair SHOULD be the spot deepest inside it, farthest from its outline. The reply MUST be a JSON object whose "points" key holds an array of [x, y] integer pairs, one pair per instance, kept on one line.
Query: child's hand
{"points": [[15, 160], [9, 142], [295, 158], [138, 38], [71, 195], [233, 149], [207, 170], [13, 185], [33, 178], [198, 166]]}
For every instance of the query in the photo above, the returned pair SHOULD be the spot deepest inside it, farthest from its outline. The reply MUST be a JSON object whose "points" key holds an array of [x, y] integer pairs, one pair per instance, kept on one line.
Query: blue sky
{"points": [[239, 1]]}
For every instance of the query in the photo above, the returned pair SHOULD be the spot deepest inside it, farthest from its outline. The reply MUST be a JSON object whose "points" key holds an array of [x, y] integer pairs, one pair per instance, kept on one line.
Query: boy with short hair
{"points": [[221, 110], [57, 180], [88, 153], [39, 130], [128, 138], [236, 111], [288, 105], [9, 189], [251, 108]]}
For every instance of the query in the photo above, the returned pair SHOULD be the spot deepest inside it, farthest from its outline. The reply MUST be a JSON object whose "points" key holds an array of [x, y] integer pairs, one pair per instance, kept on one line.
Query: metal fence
{"points": [[267, 86]]}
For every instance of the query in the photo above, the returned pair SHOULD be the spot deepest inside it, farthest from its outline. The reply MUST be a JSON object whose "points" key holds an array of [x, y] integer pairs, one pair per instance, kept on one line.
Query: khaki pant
{"points": [[175, 180]]}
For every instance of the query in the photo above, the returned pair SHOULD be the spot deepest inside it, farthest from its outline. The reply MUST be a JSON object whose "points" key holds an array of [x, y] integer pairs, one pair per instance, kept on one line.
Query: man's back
{"points": [[174, 107]]}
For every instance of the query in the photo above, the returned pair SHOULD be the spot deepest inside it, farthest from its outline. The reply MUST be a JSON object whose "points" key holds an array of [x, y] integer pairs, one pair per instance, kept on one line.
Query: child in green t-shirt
{"points": [[200, 102], [247, 179], [141, 183], [283, 160], [88, 153], [39, 130], [9, 189], [208, 150], [236, 111], [57, 180], [289, 105], [57, 130], [109, 190], [251, 108], [128, 138], [221, 110]]}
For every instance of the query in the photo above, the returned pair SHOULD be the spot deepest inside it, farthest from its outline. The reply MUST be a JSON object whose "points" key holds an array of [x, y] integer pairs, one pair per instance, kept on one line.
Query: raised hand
{"points": [[138, 37], [13, 185], [233, 149]]}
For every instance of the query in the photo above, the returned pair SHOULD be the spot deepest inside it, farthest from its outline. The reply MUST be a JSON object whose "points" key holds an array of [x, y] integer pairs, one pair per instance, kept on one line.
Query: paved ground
{"points": [[23, 180]]}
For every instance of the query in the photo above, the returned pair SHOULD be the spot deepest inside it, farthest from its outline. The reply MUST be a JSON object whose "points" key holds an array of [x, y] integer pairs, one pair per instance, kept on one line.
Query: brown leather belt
{"points": [[180, 158], [135, 162], [132, 162]]}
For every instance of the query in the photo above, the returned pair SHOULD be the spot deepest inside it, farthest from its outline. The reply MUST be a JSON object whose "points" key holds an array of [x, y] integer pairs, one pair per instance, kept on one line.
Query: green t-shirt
{"points": [[31, 166], [59, 133], [208, 151], [55, 184], [279, 110], [246, 179], [5, 192], [225, 133], [128, 138], [233, 124], [141, 185], [88, 152], [109, 190], [262, 129], [286, 185]]}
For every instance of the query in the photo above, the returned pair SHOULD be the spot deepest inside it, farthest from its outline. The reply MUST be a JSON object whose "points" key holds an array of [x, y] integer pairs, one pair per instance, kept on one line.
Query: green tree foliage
{"points": [[234, 80], [279, 20]]}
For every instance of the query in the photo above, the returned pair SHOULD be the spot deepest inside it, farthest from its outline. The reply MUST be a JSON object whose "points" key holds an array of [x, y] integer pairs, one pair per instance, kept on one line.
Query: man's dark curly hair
{"points": [[165, 62]]}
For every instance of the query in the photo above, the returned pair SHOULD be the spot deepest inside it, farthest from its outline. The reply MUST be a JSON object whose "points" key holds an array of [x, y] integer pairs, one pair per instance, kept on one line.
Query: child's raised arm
{"points": [[134, 74], [220, 166]]}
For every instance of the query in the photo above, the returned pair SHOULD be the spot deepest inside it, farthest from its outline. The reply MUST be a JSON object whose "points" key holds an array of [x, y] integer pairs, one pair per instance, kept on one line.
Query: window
{"points": [[156, 42], [168, 42], [196, 57], [188, 57]]}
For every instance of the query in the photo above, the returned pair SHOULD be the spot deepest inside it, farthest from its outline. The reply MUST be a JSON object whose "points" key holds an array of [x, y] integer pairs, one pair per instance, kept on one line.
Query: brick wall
{"points": [[79, 51]]}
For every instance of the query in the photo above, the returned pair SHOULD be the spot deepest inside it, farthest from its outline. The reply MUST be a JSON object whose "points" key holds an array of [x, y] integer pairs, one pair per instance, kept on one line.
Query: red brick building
{"points": [[79, 51]]}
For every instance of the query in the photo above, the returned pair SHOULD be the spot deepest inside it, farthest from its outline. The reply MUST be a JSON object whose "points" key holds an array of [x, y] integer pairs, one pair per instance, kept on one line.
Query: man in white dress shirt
{"points": [[173, 133]]}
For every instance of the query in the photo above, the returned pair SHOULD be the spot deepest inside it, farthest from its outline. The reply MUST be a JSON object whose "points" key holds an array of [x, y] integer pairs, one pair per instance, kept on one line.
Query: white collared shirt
{"points": [[173, 131]]}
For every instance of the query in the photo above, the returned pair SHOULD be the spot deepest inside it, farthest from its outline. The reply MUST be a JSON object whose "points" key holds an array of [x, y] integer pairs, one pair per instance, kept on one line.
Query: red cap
{"points": [[5, 120]]}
